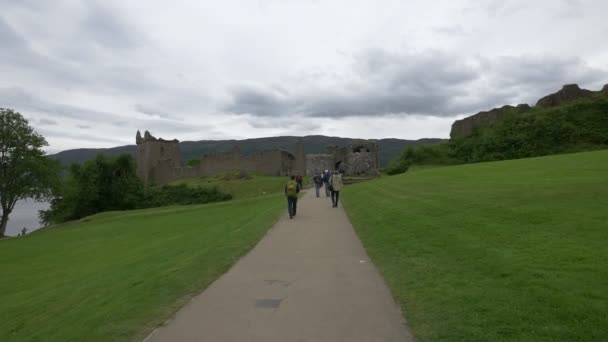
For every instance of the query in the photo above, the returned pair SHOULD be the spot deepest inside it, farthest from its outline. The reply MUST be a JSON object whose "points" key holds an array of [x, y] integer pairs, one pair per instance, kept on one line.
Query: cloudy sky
{"points": [[90, 73]]}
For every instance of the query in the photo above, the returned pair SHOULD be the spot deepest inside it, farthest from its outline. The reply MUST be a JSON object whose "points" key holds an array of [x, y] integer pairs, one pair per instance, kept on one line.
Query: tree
{"points": [[194, 162], [25, 171], [101, 184]]}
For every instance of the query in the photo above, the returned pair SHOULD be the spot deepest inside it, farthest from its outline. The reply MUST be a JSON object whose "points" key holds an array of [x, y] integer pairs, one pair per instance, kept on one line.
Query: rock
{"points": [[465, 127], [138, 138], [148, 136], [568, 93]]}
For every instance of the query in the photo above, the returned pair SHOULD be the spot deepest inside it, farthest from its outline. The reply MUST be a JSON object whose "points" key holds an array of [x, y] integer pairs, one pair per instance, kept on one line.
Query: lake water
{"points": [[25, 215]]}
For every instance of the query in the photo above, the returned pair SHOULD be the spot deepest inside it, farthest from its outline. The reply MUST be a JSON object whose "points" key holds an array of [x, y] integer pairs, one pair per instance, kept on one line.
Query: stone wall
{"points": [[317, 163], [273, 163], [156, 158], [159, 161], [214, 163], [360, 164]]}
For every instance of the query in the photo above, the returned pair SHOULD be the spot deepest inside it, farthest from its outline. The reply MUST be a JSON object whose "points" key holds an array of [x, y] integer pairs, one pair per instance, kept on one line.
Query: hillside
{"points": [[501, 251], [389, 148], [487, 119]]}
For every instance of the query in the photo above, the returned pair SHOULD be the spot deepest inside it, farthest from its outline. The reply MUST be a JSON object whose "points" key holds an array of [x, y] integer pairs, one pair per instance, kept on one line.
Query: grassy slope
{"points": [[117, 275], [241, 187], [506, 251]]}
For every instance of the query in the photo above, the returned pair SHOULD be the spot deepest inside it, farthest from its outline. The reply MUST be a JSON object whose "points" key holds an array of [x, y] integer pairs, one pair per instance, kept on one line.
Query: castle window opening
{"points": [[360, 149]]}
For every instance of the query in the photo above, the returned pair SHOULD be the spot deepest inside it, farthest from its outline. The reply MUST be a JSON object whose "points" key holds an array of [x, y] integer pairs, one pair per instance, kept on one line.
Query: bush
{"points": [[397, 166], [182, 195], [436, 154], [106, 184]]}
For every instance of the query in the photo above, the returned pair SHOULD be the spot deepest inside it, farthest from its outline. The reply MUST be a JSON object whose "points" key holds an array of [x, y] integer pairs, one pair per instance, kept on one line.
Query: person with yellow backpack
{"points": [[335, 185], [291, 192]]}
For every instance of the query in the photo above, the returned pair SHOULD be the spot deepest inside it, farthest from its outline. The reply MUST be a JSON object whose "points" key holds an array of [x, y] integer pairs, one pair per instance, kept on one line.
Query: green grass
{"points": [[241, 187], [506, 251], [116, 276]]}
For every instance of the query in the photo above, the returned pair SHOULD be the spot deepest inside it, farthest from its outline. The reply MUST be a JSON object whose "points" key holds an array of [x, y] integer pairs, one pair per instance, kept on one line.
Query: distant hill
{"points": [[389, 148]]}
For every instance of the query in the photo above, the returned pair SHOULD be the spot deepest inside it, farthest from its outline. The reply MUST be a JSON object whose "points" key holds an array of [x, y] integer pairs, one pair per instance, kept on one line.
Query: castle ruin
{"points": [[160, 161]]}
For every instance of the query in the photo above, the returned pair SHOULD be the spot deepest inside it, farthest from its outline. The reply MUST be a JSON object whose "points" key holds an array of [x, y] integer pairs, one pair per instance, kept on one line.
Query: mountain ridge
{"points": [[390, 148]]}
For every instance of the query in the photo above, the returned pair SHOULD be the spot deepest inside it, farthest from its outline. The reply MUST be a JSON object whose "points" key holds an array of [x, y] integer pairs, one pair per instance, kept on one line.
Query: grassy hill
{"points": [[502, 251], [116, 276], [389, 148]]}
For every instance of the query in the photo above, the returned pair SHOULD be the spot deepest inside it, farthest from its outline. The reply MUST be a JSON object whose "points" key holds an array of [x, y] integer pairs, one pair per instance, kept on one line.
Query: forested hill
{"points": [[389, 148]]}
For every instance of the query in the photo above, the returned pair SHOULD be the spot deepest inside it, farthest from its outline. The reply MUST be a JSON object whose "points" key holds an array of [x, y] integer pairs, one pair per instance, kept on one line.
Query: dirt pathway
{"points": [[309, 279]]}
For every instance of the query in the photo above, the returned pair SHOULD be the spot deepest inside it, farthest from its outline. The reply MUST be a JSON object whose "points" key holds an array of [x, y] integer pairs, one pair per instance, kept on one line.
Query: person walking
{"points": [[326, 177], [299, 181], [318, 180], [336, 184], [291, 192]]}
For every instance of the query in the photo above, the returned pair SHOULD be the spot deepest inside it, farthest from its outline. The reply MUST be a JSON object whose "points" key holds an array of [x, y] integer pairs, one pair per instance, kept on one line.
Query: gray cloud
{"points": [[429, 83], [23, 101], [80, 137], [150, 111], [47, 122], [453, 30], [107, 27], [9, 37], [83, 126]]}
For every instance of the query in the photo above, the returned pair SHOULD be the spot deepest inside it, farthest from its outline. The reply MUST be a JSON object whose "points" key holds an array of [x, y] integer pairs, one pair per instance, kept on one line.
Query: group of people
{"points": [[332, 181]]}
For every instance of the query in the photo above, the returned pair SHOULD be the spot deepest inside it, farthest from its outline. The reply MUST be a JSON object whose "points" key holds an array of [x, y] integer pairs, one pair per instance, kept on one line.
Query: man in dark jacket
{"points": [[291, 192], [318, 181], [326, 176]]}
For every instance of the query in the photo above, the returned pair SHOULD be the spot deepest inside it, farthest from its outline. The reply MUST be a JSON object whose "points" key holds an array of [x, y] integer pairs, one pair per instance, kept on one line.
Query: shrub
{"points": [[106, 184]]}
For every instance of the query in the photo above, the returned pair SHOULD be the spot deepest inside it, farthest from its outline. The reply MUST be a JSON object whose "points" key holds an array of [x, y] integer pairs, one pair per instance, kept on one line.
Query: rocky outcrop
{"points": [[138, 138], [466, 126], [150, 138], [568, 93]]}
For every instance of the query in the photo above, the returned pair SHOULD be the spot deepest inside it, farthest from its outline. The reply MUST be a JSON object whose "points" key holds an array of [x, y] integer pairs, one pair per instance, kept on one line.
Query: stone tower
{"points": [[300, 167], [156, 158]]}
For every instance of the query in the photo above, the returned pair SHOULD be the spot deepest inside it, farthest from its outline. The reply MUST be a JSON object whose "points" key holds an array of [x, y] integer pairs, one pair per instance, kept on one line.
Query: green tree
{"points": [[25, 171], [194, 162], [98, 185]]}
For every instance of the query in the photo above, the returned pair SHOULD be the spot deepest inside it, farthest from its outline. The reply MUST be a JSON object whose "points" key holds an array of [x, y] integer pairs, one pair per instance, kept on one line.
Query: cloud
{"points": [[107, 28], [83, 126], [47, 122], [452, 30], [23, 101], [430, 83], [154, 112]]}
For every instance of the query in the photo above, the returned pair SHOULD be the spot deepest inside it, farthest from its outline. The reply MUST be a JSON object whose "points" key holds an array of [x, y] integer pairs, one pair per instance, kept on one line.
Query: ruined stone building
{"points": [[160, 161], [358, 159]]}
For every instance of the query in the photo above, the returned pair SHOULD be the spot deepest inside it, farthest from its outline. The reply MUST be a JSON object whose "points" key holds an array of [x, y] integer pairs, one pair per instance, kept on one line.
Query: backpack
{"points": [[292, 189]]}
